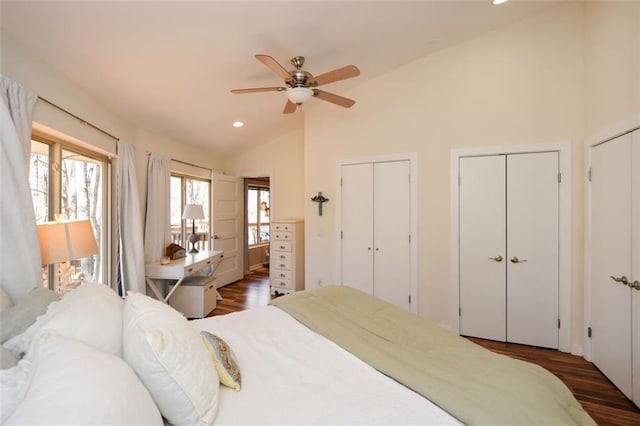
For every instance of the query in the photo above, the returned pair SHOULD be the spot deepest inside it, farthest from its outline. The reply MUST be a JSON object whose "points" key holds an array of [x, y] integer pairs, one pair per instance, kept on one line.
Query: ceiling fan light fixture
{"points": [[299, 95], [238, 124]]}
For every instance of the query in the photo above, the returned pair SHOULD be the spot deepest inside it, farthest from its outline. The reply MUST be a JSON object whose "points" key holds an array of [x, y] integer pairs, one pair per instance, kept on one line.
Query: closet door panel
{"points": [[532, 249], [611, 256], [357, 226], [482, 237], [391, 207]]}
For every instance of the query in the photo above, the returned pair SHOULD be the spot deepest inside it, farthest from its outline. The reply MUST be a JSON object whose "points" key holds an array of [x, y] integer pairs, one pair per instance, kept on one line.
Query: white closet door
{"points": [[635, 261], [391, 207], [227, 215], [611, 256], [532, 249], [482, 247], [357, 226]]}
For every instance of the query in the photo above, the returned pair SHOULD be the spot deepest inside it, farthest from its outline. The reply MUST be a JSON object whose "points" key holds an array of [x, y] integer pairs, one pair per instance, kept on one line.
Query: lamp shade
{"points": [[299, 95], [193, 211], [64, 241]]}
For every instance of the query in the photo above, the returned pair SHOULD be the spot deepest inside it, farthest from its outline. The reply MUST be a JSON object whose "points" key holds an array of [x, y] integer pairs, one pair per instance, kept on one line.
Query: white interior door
{"points": [[532, 249], [482, 247], [392, 227], [227, 218], [635, 261], [611, 256], [357, 226]]}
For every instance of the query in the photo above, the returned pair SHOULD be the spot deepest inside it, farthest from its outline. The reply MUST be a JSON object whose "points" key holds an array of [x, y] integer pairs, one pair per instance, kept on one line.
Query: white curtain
{"points": [[130, 268], [20, 262], [157, 226]]}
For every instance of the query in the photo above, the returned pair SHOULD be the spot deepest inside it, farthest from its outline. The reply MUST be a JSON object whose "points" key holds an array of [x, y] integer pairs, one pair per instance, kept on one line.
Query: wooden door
{"points": [[532, 249], [227, 215], [611, 256], [392, 228], [482, 254], [357, 226]]}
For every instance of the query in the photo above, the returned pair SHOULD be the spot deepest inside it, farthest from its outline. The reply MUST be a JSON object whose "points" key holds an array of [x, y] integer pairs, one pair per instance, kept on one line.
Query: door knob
{"points": [[514, 259], [215, 237], [623, 280], [497, 258]]}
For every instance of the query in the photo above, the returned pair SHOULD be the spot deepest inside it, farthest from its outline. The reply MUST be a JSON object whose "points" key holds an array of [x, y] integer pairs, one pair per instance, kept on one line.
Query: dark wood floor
{"points": [[606, 404]]}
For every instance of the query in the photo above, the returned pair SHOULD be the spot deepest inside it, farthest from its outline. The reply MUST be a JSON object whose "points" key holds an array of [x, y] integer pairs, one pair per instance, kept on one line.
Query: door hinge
{"points": [[409, 299], [459, 311], [558, 322], [559, 177], [459, 181], [589, 332], [589, 174], [409, 238], [340, 182], [341, 233]]}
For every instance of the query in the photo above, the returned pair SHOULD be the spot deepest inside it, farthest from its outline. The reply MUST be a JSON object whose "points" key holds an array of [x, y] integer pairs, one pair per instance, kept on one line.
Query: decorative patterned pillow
{"points": [[224, 359]]}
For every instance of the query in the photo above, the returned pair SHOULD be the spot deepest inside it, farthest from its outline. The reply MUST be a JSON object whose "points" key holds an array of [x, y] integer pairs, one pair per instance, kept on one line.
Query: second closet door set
{"points": [[509, 248]]}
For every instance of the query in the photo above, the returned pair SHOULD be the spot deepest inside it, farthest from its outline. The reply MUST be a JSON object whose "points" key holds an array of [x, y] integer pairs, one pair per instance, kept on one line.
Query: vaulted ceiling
{"points": [[168, 66]]}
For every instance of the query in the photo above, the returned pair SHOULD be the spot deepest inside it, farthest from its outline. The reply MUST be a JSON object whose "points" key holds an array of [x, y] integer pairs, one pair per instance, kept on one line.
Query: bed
{"points": [[328, 356]]}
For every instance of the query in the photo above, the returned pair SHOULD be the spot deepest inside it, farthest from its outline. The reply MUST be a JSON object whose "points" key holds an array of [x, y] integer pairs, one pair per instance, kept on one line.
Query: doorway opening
{"points": [[257, 223]]}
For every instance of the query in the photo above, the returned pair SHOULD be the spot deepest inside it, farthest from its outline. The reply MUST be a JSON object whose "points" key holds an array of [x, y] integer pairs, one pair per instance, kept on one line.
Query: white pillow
{"points": [[63, 381], [91, 313], [5, 300], [168, 355]]}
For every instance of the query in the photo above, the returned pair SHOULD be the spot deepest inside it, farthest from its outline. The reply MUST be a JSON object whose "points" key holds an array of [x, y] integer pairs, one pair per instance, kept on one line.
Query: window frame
{"points": [[185, 229], [56, 147]]}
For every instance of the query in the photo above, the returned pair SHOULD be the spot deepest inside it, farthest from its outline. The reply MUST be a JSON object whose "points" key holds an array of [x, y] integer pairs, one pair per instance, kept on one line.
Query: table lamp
{"points": [[193, 212], [61, 242]]}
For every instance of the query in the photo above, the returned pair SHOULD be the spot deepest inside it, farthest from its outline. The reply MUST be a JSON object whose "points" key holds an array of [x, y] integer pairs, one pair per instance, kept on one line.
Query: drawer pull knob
{"points": [[282, 265], [282, 257], [190, 269], [282, 275], [282, 247]]}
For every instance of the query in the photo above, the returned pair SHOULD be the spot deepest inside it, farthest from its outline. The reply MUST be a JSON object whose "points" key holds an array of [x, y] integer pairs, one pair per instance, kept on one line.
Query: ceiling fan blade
{"points": [[258, 89], [337, 75], [333, 98], [274, 66], [289, 107]]}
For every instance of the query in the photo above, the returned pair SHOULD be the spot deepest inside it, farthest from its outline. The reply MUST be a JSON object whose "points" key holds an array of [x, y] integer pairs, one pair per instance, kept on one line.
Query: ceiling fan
{"points": [[300, 85]]}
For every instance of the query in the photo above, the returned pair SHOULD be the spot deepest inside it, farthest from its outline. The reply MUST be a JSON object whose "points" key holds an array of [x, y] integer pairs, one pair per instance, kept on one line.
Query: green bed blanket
{"points": [[473, 384]]}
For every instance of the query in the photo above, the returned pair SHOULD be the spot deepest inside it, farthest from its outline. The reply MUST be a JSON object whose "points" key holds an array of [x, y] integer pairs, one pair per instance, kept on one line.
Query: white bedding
{"points": [[292, 375]]}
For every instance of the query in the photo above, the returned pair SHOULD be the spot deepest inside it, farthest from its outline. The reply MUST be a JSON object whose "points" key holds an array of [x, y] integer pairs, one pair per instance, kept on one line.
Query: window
{"points": [[189, 190], [257, 215], [71, 183]]}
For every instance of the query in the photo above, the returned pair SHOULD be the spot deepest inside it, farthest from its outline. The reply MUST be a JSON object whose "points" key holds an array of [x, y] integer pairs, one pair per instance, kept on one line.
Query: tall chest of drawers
{"points": [[286, 261]]}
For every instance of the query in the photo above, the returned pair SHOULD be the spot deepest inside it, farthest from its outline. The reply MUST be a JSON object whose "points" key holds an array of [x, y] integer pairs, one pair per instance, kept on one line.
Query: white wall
{"points": [[519, 85], [612, 62], [42, 79], [282, 159]]}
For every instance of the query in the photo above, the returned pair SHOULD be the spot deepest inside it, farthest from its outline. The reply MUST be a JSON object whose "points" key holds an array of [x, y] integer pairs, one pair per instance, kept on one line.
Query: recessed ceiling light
{"points": [[238, 123], [499, 1]]}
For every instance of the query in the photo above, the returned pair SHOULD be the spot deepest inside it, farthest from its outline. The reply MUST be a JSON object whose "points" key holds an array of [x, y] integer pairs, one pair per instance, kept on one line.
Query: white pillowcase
{"points": [[91, 313], [63, 381], [168, 355]]}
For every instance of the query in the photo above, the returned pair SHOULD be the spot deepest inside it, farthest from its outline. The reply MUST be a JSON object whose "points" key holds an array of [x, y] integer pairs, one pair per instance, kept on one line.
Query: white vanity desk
{"points": [[180, 269]]}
